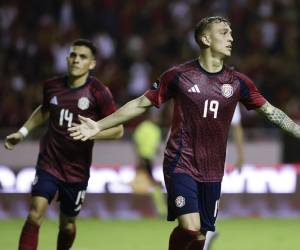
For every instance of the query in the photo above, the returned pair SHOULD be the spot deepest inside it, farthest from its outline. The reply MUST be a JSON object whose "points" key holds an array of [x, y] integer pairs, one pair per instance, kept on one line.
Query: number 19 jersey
{"points": [[60, 155], [204, 104]]}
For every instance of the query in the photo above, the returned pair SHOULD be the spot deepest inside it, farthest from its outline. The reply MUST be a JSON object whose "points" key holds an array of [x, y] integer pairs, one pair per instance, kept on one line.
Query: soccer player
{"points": [[63, 163], [205, 94]]}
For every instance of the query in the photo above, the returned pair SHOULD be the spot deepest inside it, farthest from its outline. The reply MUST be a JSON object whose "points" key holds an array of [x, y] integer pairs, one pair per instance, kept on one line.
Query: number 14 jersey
{"points": [[60, 155], [204, 104]]}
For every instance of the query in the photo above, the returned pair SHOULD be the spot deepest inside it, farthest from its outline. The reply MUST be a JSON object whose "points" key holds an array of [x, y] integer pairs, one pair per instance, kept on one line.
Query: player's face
{"points": [[80, 61], [220, 39]]}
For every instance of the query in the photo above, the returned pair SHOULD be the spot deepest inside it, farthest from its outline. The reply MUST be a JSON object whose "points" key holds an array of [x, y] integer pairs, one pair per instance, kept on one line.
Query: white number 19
{"points": [[212, 106]]}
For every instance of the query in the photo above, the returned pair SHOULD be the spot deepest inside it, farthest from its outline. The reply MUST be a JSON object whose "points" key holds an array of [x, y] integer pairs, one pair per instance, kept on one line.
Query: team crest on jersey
{"points": [[83, 103], [227, 90], [180, 201]]}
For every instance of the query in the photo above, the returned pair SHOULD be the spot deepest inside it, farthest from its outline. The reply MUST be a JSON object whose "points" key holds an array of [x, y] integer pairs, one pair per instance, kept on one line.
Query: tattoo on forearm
{"points": [[279, 118]]}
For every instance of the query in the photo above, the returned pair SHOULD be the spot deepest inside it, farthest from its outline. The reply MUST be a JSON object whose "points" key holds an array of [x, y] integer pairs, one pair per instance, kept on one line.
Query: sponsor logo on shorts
{"points": [[180, 201]]}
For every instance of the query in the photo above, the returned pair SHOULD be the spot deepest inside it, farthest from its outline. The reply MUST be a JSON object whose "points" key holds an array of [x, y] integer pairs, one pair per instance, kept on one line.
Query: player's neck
{"points": [[210, 64], [77, 81]]}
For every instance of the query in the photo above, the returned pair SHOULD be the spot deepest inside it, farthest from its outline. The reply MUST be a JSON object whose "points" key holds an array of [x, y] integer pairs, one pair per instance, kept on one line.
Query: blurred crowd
{"points": [[137, 40]]}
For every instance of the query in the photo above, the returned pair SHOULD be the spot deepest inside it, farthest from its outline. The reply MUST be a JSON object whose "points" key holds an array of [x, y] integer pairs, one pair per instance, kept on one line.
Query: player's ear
{"points": [[205, 39], [92, 65]]}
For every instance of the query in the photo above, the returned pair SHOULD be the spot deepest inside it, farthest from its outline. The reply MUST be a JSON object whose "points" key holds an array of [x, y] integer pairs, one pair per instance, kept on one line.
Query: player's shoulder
{"points": [[244, 80], [97, 85], [178, 69], [95, 82], [188, 66], [54, 81], [240, 76]]}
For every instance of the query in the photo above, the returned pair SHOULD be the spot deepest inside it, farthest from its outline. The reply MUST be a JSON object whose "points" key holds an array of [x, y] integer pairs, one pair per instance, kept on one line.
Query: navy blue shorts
{"points": [[185, 195], [70, 195]]}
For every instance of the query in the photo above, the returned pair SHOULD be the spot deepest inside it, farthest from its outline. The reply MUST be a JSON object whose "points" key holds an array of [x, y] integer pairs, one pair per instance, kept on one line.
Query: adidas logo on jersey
{"points": [[54, 100], [194, 89]]}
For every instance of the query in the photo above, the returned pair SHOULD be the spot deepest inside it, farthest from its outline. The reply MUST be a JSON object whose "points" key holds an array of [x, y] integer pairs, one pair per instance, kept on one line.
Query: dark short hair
{"points": [[204, 23], [86, 43]]}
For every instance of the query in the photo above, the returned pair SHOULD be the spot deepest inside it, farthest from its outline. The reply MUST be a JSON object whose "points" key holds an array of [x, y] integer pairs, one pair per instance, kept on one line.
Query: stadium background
{"points": [[136, 41]]}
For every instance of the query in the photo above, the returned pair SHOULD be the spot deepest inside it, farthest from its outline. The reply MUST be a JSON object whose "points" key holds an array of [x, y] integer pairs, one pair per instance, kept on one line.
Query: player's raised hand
{"points": [[85, 130], [12, 140]]}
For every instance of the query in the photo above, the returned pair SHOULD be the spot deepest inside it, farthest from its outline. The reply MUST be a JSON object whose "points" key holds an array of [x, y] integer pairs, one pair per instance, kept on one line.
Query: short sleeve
{"points": [[163, 88], [105, 102], [249, 94]]}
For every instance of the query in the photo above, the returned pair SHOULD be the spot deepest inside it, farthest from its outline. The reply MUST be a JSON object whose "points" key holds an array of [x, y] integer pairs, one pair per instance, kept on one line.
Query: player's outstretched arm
{"points": [[89, 128], [279, 118], [37, 118], [110, 133]]}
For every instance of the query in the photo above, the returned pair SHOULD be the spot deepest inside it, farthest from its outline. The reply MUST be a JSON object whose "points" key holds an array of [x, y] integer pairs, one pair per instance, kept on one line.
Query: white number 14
{"points": [[65, 116], [212, 106]]}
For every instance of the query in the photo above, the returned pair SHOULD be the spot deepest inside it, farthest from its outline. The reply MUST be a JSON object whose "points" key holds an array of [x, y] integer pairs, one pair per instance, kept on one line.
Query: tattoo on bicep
{"points": [[279, 118]]}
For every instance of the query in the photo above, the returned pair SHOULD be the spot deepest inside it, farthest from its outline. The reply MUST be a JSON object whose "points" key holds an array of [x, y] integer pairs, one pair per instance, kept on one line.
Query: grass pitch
{"points": [[95, 234]]}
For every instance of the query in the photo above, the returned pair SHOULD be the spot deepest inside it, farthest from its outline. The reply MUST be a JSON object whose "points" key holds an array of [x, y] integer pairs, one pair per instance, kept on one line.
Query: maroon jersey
{"points": [[204, 104], [60, 155]]}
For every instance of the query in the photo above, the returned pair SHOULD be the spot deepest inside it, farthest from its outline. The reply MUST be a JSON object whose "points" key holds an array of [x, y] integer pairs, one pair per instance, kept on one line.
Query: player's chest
{"points": [[197, 91], [208, 98], [66, 104], [74, 100]]}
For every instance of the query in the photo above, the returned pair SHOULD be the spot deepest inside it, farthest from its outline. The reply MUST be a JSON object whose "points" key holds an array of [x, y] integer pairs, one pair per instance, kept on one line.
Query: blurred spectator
{"points": [[136, 40], [105, 45]]}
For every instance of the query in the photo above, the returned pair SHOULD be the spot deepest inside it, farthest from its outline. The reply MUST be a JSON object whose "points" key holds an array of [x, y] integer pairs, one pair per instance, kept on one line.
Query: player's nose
{"points": [[76, 60]]}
